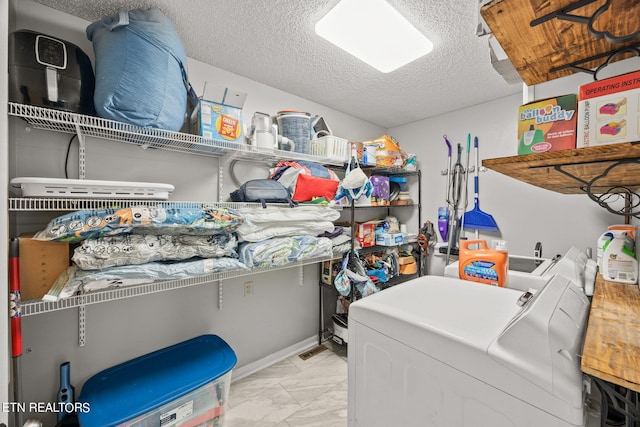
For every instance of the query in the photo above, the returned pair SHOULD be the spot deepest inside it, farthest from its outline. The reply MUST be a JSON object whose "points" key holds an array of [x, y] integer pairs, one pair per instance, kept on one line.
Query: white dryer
{"points": [[444, 352]]}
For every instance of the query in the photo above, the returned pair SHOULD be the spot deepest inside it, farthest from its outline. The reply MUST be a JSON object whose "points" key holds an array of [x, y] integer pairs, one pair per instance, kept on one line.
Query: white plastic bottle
{"points": [[613, 230], [619, 262]]}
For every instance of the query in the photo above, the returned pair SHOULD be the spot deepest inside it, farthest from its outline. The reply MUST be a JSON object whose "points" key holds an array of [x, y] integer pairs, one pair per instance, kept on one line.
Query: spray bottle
{"points": [[443, 223]]}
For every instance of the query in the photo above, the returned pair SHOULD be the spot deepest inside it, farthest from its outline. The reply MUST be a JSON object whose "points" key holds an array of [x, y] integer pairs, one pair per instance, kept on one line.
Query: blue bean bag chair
{"points": [[140, 75]]}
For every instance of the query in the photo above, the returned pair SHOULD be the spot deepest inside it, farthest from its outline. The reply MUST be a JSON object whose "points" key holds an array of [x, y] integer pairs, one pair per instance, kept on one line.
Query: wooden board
{"points": [[612, 342], [549, 170], [535, 51]]}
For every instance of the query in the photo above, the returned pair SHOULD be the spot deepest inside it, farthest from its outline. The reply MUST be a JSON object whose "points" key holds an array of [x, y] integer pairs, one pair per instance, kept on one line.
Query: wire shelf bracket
{"points": [[564, 14]]}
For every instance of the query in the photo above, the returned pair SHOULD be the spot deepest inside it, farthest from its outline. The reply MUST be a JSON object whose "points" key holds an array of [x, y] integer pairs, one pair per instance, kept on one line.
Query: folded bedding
{"points": [[261, 224], [92, 224], [279, 251], [340, 244], [134, 249], [75, 279]]}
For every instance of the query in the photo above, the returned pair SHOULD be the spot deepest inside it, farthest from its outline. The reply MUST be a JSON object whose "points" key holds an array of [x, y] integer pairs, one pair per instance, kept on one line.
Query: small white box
{"points": [[389, 239]]}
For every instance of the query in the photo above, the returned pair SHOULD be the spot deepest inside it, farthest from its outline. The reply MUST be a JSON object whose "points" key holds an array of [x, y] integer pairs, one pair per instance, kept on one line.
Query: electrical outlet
{"points": [[248, 288]]}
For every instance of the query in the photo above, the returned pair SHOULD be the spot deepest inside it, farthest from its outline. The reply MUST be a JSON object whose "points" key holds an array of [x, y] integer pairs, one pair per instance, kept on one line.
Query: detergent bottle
{"points": [[613, 230], [619, 262], [483, 265]]}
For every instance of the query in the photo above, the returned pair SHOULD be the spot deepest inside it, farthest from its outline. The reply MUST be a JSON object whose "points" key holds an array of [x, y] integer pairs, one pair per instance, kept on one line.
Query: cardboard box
{"points": [[547, 125], [381, 190], [366, 233], [389, 239], [330, 270], [41, 262], [608, 111], [218, 115], [409, 259]]}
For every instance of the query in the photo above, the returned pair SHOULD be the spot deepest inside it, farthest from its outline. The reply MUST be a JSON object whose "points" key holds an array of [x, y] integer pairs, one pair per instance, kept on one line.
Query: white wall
{"points": [[282, 312], [525, 214]]}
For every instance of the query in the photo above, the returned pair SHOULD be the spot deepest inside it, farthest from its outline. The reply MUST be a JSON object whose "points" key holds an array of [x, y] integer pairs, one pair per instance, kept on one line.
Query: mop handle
{"points": [[448, 189], [14, 299], [16, 324], [476, 188]]}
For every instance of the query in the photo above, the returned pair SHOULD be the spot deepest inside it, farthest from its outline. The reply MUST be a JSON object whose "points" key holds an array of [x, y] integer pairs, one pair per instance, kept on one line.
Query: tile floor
{"points": [[307, 393], [293, 393]]}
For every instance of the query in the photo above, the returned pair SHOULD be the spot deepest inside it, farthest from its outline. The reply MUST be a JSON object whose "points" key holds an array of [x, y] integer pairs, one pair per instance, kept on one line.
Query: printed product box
{"points": [[330, 270], [389, 239], [366, 233], [547, 125], [41, 262], [608, 111], [218, 115]]}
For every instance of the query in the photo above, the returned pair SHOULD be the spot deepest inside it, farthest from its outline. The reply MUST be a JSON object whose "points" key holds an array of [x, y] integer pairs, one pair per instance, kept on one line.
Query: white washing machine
{"points": [[443, 352]]}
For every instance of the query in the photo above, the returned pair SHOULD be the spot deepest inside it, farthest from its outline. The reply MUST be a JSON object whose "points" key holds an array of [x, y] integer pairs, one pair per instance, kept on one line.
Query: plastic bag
{"points": [[355, 183], [346, 277], [140, 74]]}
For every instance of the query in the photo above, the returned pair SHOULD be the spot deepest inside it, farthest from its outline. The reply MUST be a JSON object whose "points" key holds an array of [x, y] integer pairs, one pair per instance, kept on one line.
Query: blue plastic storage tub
{"points": [[184, 385]]}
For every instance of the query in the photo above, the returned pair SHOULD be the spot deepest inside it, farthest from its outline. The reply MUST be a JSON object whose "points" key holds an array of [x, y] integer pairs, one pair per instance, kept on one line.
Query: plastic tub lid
{"points": [[136, 387]]}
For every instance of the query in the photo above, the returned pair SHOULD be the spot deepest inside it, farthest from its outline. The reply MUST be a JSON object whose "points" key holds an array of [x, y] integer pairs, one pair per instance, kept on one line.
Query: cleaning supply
{"points": [[612, 230], [443, 222], [619, 262], [477, 219], [482, 264]]}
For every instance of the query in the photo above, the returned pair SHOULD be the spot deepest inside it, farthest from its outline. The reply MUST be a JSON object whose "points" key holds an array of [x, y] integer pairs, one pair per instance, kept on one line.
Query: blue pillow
{"points": [[140, 77]]}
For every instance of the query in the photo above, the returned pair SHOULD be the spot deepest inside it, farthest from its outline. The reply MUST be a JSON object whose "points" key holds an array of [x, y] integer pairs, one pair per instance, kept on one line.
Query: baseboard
{"points": [[265, 362]]}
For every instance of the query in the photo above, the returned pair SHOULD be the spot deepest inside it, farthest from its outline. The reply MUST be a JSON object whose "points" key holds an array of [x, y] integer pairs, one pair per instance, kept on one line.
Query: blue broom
{"points": [[475, 219]]}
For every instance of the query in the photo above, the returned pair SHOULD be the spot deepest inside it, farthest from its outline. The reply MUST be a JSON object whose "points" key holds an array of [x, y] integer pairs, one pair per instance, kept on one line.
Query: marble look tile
{"points": [[254, 385], [293, 393], [272, 406], [328, 410], [304, 364], [314, 381]]}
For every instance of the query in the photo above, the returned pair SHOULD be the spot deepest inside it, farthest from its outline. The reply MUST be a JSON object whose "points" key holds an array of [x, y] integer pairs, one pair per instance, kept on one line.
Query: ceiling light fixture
{"points": [[374, 32]]}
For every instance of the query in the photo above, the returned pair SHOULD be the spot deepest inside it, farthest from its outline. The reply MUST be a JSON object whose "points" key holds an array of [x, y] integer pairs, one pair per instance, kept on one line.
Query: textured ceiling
{"points": [[273, 42]]}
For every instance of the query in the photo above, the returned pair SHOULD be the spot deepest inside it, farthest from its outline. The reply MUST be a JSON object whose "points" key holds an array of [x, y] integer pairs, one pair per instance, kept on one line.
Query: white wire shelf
{"points": [[31, 204], [35, 307], [63, 121]]}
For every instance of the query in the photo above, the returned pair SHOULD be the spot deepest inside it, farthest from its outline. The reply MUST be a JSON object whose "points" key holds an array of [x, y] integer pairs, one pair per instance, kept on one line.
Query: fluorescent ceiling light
{"points": [[374, 32]]}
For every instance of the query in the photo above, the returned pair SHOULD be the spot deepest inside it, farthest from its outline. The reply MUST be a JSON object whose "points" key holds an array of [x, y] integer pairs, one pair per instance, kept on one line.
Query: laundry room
{"points": [[223, 213]]}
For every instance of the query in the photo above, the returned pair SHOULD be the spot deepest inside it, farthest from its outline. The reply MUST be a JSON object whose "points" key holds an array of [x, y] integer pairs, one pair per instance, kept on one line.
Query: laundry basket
{"points": [[186, 384], [331, 147]]}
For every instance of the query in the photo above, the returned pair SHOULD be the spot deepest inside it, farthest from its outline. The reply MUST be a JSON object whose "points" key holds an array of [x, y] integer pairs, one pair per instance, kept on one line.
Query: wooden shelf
{"points": [[570, 171], [613, 334], [536, 51]]}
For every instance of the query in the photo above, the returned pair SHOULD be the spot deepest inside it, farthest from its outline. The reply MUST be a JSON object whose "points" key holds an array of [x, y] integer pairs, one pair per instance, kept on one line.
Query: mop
{"points": [[456, 175], [475, 219]]}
